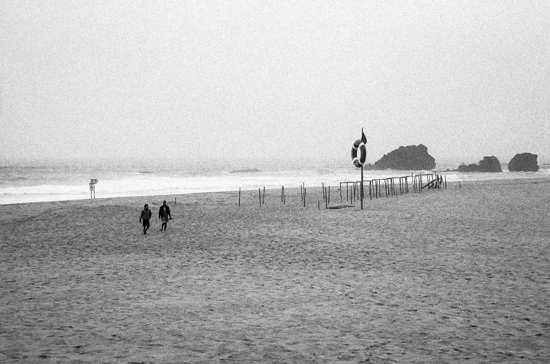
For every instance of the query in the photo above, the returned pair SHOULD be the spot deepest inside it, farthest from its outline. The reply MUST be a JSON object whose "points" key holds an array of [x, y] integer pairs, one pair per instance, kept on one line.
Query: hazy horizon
{"points": [[253, 162], [245, 79]]}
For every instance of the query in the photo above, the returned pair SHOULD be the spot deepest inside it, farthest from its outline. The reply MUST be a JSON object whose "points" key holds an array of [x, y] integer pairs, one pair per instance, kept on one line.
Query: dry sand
{"points": [[455, 275]]}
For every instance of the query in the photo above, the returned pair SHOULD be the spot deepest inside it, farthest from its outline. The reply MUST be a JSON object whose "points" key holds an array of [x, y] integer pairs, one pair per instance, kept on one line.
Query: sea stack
{"points": [[412, 157], [488, 164], [524, 162]]}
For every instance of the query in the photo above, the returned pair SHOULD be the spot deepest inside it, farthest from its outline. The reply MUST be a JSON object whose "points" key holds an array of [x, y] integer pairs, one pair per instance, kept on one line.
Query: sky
{"points": [[225, 80]]}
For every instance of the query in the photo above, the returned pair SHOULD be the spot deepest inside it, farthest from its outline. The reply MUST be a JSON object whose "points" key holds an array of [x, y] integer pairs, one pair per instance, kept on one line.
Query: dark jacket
{"points": [[145, 215], [164, 209]]}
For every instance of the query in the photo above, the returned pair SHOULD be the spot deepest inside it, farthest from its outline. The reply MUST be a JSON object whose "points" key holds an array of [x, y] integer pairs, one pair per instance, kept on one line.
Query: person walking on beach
{"points": [[164, 215], [145, 217]]}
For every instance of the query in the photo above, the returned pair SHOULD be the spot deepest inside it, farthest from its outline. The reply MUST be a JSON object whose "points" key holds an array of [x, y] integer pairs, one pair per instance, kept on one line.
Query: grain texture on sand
{"points": [[455, 275]]}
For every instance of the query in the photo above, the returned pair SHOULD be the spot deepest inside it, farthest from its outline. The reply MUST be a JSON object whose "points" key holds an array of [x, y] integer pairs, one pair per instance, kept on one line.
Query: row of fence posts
{"points": [[303, 195], [382, 187]]}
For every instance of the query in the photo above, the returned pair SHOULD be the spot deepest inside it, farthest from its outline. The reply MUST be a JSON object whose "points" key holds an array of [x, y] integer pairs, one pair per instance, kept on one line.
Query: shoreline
{"points": [[60, 186], [496, 181]]}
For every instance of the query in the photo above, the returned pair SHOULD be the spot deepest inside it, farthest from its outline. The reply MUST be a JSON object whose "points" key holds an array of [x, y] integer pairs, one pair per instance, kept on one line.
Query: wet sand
{"points": [[447, 276]]}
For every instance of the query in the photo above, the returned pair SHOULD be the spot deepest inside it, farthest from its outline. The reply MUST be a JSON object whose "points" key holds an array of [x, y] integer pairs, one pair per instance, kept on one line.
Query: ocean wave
{"points": [[42, 190]]}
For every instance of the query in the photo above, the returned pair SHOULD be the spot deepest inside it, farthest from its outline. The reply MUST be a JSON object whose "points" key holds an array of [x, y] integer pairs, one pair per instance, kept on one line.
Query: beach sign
{"points": [[92, 187]]}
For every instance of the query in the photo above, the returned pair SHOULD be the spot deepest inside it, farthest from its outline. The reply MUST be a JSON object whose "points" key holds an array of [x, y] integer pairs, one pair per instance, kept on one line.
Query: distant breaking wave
{"points": [[63, 184]]}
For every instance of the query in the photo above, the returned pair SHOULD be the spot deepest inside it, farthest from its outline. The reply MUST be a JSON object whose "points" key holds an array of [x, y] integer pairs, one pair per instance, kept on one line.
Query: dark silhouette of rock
{"points": [[488, 164], [411, 157], [250, 170], [467, 168], [525, 162]]}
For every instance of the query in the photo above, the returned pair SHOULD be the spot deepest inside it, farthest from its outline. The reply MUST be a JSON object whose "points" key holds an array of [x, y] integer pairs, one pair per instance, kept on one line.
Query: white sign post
{"points": [[92, 188]]}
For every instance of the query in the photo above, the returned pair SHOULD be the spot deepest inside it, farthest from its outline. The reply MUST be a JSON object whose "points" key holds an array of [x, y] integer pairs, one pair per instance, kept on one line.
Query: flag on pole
{"points": [[363, 137]]}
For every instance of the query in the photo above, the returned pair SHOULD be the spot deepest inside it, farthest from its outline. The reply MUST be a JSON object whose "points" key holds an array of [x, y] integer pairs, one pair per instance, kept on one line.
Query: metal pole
{"points": [[361, 187]]}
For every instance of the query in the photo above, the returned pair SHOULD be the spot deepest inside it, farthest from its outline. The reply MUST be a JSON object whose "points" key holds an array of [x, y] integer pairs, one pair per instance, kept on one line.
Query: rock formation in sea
{"points": [[488, 164], [467, 168], [249, 170], [524, 162], [411, 157]]}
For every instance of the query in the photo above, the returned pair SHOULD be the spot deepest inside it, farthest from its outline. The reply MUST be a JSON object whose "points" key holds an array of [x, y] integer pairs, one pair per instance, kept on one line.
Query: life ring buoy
{"points": [[359, 162]]}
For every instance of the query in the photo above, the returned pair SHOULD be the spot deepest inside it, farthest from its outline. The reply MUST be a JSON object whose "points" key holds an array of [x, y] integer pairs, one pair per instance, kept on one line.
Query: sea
{"points": [[46, 180]]}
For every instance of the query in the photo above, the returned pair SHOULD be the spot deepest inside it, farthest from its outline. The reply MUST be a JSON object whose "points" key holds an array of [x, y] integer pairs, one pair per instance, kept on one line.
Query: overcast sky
{"points": [[281, 79]]}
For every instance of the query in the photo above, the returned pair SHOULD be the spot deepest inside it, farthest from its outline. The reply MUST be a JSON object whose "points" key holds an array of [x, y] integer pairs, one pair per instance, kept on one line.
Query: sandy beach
{"points": [[445, 276]]}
